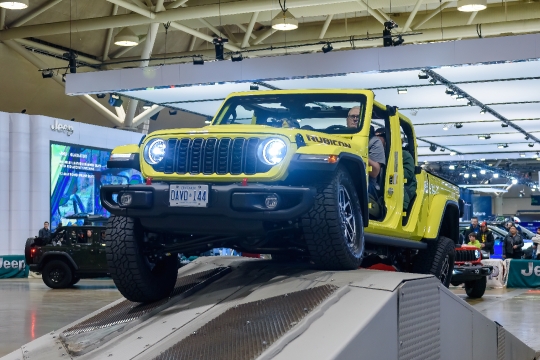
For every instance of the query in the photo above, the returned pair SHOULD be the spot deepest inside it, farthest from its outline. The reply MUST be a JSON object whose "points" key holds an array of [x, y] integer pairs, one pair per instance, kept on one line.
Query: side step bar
{"points": [[392, 241]]}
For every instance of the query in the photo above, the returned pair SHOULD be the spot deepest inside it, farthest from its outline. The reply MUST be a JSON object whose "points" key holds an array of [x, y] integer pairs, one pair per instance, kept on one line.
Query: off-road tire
{"points": [[323, 225], [437, 259], [129, 267], [57, 274], [476, 289], [75, 280]]}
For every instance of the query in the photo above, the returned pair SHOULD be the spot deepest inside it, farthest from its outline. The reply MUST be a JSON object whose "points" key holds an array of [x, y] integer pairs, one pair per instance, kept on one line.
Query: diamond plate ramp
{"points": [[245, 331], [100, 328]]}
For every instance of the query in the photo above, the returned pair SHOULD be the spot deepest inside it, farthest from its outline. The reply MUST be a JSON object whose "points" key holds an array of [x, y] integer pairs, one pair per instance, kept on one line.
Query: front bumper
{"points": [[232, 209], [463, 274]]}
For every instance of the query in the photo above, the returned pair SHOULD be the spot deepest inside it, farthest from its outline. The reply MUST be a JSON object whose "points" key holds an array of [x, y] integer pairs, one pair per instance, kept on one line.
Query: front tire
{"points": [[333, 228], [135, 276], [476, 289], [57, 274], [437, 259]]}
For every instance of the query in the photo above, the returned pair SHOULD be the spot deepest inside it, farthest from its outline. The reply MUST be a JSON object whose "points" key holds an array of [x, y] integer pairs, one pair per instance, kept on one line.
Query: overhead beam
{"points": [[109, 35], [411, 16], [471, 18], [140, 4], [189, 13], [201, 35], [33, 13], [2, 18], [130, 6], [230, 35], [210, 26], [372, 12], [326, 25], [176, 4], [146, 114], [384, 15], [249, 30], [432, 14], [264, 36], [56, 51], [244, 29]]}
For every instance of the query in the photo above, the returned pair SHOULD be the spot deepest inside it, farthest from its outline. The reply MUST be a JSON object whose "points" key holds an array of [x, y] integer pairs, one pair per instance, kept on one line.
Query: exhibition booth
{"points": [[52, 169]]}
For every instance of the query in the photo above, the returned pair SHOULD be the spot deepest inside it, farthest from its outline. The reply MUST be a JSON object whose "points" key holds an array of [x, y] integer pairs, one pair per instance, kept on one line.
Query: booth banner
{"points": [[524, 274], [497, 277], [13, 266]]}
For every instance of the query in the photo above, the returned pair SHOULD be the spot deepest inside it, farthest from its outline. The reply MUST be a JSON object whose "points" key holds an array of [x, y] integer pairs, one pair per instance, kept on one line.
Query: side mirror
{"points": [[417, 170], [391, 110]]}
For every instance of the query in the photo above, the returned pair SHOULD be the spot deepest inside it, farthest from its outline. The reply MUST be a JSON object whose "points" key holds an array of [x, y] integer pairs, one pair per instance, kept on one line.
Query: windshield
{"points": [[329, 113]]}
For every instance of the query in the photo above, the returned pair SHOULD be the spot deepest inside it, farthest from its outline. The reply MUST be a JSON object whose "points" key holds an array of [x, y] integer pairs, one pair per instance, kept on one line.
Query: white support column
{"points": [[245, 42], [5, 163], [432, 14], [40, 197], [2, 18], [134, 8], [53, 50], [109, 35], [33, 13], [192, 42], [326, 25], [412, 15], [120, 112]]}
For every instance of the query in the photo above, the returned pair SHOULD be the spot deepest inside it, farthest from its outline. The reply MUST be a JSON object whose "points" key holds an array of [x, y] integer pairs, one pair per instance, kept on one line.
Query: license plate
{"points": [[188, 195]]}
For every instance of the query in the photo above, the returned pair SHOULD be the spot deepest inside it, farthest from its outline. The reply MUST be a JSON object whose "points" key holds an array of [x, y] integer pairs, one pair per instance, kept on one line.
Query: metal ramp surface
{"points": [[231, 308]]}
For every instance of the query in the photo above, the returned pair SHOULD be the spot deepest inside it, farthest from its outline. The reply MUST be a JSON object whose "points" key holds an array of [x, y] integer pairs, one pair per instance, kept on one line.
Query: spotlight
{"points": [[115, 100], [459, 125], [483, 172], [126, 37], [521, 155], [452, 167], [443, 149], [72, 63], [72, 119], [470, 103], [284, 21], [504, 125], [100, 96], [453, 153], [218, 46], [433, 147], [423, 76], [327, 48], [398, 41], [47, 74], [531, 144], [253, 87], [402, 91], [387, 33], [495, 176], [483, 111], [237, 57], [449, 92], [173, 112], [14, 5], [198, 60], [481, 137], [445, 127], [514, 181], [527, 137], [23, 111], [433, 81]]}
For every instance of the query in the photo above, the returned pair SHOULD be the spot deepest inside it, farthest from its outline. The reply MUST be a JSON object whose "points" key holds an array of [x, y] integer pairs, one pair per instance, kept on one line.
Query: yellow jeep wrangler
{"points": [[283, 173]]}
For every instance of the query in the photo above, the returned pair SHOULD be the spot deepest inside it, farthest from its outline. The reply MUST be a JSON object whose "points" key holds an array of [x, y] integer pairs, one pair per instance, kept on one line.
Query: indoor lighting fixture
{"points": [[207, 122], [483, 172], [433, 81], [423, 76], [445, 127], [443, 149], [101, 96], [253, 87], [146, 106], [47, 74], [284, 21], [466, 175], [514, 181], [237, 57], [502, 146], [471, 5], [115, 100], [198, 60], [401, 91], [452, 153], [14, 5], [537, 155], [495, 175], [173, 112], [473, 175], [219, 43], [449, 92], [504, 125], [433, 147], [527, 137], [459, 125], [452, 167], [327, 48], [484, 137], [483, 111], [126, 37], [522, 155], [531, 144], [482, 159]]}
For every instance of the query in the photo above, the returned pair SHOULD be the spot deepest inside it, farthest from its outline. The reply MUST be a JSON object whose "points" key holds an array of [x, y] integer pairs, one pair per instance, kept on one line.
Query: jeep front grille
{"points": [[466, 255], [212, 156]]}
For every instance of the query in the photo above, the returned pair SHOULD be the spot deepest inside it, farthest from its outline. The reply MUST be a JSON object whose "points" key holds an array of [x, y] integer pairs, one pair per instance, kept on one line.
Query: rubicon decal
{"points": [[327, 141]]}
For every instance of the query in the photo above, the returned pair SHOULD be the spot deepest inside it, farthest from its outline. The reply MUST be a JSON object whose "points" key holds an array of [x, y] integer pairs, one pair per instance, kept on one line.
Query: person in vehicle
{"points": [[474, 228], [536, 243], [485, 236], [512, 245], [473, 241]]}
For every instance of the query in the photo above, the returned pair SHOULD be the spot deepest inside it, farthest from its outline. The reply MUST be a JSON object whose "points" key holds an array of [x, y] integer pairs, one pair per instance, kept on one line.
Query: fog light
{"points": [[271, 201], [125, 199]]}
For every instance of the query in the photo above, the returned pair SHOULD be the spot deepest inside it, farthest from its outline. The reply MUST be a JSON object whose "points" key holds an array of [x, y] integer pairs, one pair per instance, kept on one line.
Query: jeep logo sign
{"points": [[523, 273], [12, 264], [68, 129], [530, 270]]}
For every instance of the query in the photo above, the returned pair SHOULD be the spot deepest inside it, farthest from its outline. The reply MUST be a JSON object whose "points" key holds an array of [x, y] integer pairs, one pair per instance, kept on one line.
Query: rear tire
{"points": [[135, 277], [437, 259], [333, 227], [75, 280], [476, 289], [57, 274]]}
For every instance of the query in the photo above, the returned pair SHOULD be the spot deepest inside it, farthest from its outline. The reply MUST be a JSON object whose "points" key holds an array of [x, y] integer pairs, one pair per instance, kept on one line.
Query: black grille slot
{"points": [[465, 255], [212, 156]]}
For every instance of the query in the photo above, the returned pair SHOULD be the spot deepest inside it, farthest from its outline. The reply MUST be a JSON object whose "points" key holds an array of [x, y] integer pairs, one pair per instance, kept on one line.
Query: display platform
{"points": [[231, 308]]}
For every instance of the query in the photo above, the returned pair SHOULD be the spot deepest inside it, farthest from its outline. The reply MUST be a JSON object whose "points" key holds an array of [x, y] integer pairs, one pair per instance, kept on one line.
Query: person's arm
{"points": [[504, 247], [520, 242], [375, 168], [490, 242]]}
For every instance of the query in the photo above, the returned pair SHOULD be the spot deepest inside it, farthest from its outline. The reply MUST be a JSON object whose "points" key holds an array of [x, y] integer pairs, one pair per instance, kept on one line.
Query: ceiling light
{"points": [[452, 167], [126, 37], [47, 74], [198, 60], [466, 175], [514, 181], [443, 149], [471, 5], [423, 76], [496, 176], [433, 147], [14, 5], [504, 125], [401, 91], [459, 125], [449, 92], [237, 57], [470, 103], [531, 144], [284, 21], [101, 96], [445, 127], [327, 48], [522, 155], [146, 106], [483, 111], [253, 87], [433, 81], [452, 153], [474, 175], [483, 172]]}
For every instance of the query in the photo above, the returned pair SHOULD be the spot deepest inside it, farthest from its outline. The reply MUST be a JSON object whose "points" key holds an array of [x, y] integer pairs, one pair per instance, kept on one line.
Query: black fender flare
{"points": [[357, 168], [61, 254], [454, 236]]}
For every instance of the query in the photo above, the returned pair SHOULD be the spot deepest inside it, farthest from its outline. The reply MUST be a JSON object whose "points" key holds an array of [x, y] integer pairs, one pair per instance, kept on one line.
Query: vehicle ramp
{"points": [[237, 308]]}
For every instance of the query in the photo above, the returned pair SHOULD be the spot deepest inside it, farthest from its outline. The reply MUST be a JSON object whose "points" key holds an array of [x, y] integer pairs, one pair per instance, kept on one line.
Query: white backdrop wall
{"points": [[25, 170]]}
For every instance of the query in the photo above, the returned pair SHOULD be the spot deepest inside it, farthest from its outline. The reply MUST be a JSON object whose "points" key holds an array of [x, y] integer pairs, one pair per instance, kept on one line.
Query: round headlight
{"points": [[154, 151], [272, 151], [477, 254]]}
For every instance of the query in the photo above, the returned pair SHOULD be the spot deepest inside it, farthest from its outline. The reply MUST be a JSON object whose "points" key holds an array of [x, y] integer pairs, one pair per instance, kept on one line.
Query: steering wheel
{"points": [[336, 127]]}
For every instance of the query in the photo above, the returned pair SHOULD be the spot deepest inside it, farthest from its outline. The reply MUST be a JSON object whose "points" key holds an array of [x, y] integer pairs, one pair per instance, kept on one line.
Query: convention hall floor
{"points": [[29, 309]]}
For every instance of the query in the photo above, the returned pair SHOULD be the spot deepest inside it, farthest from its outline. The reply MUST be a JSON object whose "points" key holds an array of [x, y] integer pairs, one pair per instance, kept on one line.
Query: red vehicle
{"points": [[468, 269]]}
